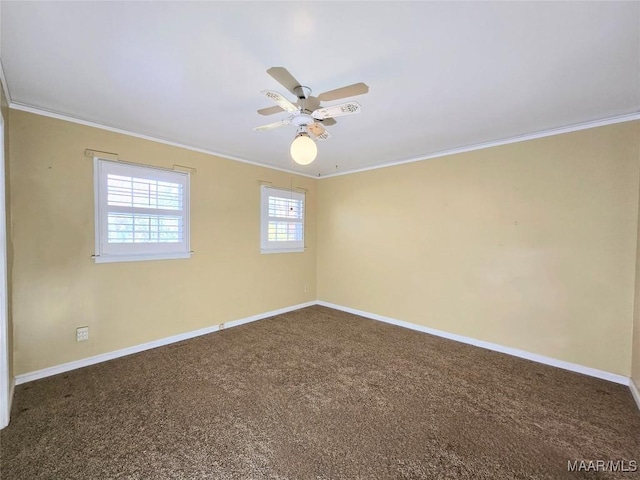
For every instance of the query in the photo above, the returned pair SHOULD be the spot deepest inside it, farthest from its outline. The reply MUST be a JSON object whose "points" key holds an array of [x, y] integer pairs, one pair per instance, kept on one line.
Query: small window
{"points": [[282, 221], [142, 213]]}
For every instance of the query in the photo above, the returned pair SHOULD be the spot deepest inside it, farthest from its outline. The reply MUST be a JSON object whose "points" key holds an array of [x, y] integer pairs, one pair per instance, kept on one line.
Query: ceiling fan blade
{"points": [[327, 122], [318, 131], [270, 110], [344, 92], [269, 126], [336, 110], [284, 78], [280, 100]]}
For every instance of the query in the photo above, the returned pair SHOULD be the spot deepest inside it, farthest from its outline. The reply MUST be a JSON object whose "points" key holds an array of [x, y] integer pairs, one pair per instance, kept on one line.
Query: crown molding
{"points": [[67, 118], [444, 153], [496, 143]]}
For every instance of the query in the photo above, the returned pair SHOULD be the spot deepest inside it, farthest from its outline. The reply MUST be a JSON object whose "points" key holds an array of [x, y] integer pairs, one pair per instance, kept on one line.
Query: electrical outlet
{"points": [[82, 334], [306, 288], [221, 326]]}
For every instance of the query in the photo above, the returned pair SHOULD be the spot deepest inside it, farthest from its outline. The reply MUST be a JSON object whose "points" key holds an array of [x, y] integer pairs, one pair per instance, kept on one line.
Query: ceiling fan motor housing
{"points": [[302, 120]]}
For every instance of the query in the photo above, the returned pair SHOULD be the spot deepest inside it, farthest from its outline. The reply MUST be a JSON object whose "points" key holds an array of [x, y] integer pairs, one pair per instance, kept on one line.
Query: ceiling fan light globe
{"points": [[303, 150]]}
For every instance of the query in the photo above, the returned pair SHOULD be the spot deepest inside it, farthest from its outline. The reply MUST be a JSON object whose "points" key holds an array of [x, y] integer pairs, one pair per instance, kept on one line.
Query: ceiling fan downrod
{"points": [[302, 92]]}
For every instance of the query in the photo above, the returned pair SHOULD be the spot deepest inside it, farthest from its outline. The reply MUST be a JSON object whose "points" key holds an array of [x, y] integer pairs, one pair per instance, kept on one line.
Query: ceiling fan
{"points": [[306, 113]]}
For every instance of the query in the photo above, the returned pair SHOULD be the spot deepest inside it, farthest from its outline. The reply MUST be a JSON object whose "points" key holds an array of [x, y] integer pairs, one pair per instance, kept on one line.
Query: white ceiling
{"points": [[442, 75]]}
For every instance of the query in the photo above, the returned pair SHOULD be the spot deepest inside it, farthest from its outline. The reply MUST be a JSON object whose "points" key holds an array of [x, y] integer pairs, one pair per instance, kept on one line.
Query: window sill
{"points": [[297, 250], [139, 258]]}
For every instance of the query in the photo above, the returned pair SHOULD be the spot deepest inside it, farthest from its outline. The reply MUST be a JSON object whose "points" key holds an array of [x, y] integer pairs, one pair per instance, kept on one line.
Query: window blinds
{"points": [[143, 210]]}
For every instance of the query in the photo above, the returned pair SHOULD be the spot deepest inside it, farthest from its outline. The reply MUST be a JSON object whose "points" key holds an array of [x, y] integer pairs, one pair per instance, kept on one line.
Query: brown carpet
{"points": [[317, 394]]}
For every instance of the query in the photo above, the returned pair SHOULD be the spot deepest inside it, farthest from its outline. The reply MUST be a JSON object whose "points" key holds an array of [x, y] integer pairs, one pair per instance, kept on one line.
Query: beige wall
{"points": [[57, 286], [530, 245]]}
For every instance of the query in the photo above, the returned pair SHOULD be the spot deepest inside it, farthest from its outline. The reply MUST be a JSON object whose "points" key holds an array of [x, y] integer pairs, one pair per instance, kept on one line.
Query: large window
{"points": [[282, 221], [142, 213]]}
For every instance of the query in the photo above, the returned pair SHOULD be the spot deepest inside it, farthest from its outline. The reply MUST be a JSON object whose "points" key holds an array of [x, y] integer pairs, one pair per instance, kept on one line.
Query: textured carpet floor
{"points": [[317, 394]]}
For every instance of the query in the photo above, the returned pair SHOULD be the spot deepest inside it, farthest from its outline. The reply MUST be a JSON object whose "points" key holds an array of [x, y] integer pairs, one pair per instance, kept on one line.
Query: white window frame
{"points": [[128, 252], [279, 247]]}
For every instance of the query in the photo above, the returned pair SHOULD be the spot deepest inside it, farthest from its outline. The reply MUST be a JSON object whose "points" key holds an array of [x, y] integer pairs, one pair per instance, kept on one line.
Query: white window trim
{"points": [[99, 201], [265, 247], [138, 258]]}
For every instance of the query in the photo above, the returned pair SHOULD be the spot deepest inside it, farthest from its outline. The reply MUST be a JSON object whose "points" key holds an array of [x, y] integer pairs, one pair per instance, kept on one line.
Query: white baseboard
{"points": [[47, 372], [574, 367], [65, 367], [635, 392]]}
